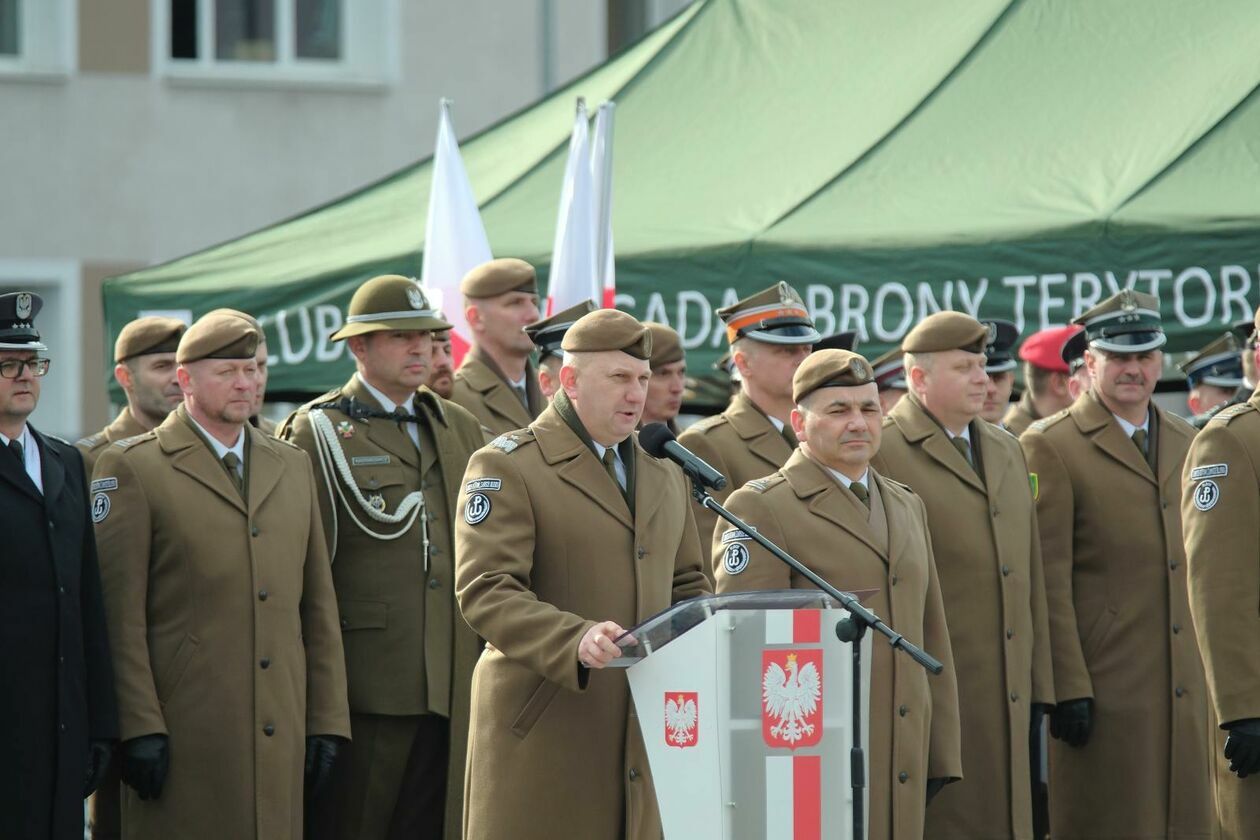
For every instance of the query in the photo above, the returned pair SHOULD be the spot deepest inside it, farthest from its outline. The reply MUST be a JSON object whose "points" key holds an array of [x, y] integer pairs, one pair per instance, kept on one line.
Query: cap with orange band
{"points": [[776, 315]]}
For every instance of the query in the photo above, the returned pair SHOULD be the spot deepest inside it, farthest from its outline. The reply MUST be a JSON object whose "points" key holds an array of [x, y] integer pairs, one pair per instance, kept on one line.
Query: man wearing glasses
{"points": [[57, 713]]}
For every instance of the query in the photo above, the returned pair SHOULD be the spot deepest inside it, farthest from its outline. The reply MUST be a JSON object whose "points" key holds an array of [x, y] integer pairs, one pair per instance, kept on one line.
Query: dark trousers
{"points": [[104, 809], [390, 784]]}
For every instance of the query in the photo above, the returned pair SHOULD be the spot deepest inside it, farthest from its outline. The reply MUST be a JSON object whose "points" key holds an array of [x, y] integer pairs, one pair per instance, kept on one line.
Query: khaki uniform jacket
{"points": [[984, 537], [547, 549], [1021, 415], [408, 650], [125, 425], [913, 726], [742, 444], [1120, 627], [223, 627], [1222, 531], [482, 389]]}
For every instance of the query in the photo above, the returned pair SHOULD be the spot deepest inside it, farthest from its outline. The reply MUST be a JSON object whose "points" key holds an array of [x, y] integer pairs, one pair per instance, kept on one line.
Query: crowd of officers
{"points": [[391, 615]]}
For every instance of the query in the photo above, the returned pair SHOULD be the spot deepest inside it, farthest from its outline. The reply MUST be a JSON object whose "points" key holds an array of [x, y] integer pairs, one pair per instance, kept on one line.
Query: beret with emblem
{"points": [[1218, 364], [218, 335], [830, 369], [776, 315], [999, 349], [239, 314], [666, 345], [549, 332], [1126, 322], [609, 329], [1044, 348], [17, 321], [147, 337], [389, 302], [890, 370], [498, 277], [847, 340], [946, 330]]}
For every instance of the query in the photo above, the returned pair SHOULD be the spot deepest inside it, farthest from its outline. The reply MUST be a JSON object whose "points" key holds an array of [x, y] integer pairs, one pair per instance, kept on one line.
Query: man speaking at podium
{"points": [[567, 533], [859, 530]]}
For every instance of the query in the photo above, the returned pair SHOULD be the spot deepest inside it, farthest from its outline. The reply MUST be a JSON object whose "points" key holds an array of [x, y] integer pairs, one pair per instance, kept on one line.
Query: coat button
{"points": [[903, 777], [1014, 696], [1176, 628], [434, 583], [269, 730], [642, 551], [344, 624], [634, 773], [262, 594], [62, 727], [1010, 634], [1180, 691], [1173, 566], [1006, 570], [893, 580], [1163, 504], [61, 589], [264, 663], [253, 532], [52, 525], [995, 513], [902, 710]]}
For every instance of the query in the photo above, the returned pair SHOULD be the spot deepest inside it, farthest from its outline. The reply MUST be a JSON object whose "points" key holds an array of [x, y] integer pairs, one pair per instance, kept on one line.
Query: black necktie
{"points": [[15, 446]]}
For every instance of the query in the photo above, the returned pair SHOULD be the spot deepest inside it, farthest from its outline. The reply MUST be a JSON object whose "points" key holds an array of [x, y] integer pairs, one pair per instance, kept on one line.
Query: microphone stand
{"points": [[849, 629]]}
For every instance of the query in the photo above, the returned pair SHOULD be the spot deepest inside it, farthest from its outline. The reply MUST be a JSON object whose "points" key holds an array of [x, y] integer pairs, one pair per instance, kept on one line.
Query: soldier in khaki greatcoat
{"points": [[222, 617], [859, 530], [389, 455], [1220, 510], [547, 336], [1046, 376], [1131, 756], [496, 381], [972, 477], [770, 334], [569, 532], [669, 377], [144, 366]]}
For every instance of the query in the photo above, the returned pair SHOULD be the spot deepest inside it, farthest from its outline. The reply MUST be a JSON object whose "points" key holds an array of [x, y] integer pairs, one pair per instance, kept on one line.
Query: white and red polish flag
{"points": [[454, 237], [791, 718]]}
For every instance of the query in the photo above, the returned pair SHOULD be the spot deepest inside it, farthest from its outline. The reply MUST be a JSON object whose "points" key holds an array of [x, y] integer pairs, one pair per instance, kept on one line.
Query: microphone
{"points": [[659, 442]]}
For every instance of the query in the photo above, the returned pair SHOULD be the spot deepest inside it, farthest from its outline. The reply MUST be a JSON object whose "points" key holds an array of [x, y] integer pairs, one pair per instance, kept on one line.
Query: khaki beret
{"points": [[608, 329], [147, 336], [218, 335], [389, 302], [947, 330], [666, 345], [830, 369], [548, 333], [239, 314], [498, 277]]}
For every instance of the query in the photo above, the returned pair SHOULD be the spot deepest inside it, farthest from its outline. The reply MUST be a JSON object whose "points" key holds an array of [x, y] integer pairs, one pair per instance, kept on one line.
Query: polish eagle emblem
{"points": [[682, 715], [791, 697]]}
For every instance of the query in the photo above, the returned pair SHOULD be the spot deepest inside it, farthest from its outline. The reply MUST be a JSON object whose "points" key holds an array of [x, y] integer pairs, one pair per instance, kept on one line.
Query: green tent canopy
{"points": [[1010, 159]]}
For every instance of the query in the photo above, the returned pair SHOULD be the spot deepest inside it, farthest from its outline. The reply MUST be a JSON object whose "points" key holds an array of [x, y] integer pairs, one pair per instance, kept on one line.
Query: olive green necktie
{"points": [[610, 464], [964, 449], [1139, 439], [858, 489], [231, 462]]}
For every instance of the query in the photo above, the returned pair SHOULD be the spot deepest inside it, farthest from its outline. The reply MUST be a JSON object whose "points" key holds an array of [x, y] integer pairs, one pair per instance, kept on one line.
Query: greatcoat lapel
{"points": [[14, 472], [193, 456], [1096, 422], [481, 374], [994, 458], [265, 468], [52, 469], [760, 435], [826, 499], [386, 434], [900, 525], [578, 465], [920, 429]]}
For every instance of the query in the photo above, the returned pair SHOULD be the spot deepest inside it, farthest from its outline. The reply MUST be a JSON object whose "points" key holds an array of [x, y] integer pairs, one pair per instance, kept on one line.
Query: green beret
{"points": [[147, 337], [830, 369], [498, 277], [549, 332], [218, 335], [389, 302], [947, 330], [608, 329], [666, 345]]}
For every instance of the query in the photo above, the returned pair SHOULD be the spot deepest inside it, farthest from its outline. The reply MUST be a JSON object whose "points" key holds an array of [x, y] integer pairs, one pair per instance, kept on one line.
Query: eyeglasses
{"points": [[12, 368]]}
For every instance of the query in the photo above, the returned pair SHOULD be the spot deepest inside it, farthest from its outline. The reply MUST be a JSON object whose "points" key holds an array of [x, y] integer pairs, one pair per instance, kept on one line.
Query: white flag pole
{"points": [[605, 285]]}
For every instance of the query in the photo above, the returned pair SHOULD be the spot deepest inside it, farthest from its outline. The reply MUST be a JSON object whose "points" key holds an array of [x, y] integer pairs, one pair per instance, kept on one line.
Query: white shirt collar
{"points": [[966, 433], [778, 424], [386, 402], [519, 384], [219, 449], [845, 481], [30, 455], [24, 437], [1129, 428]]}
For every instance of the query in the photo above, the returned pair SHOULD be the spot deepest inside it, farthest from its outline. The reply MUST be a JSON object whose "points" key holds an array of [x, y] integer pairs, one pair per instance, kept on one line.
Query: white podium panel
{"points": [[746, 703]]}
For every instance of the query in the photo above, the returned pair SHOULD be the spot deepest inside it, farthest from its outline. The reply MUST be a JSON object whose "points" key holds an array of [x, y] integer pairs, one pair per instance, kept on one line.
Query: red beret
{"points": [[1045, 349]]}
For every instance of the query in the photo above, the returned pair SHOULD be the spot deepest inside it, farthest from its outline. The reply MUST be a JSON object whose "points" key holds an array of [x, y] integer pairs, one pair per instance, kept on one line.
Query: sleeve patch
{"points": [[477, 509], [1209, 471], [369, 460], [734, 535], [100, 508], [480, 484], [1035, 484], [735, 559], [101, 485], [1206, 494]]}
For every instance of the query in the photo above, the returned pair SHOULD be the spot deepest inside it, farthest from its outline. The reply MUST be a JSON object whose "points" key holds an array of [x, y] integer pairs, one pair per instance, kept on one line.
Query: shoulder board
{"points": [[707, 423], [1178, 420], [288, 443], [127, 443], [896, 483], [1046, 422], [60, 440], [1230, 412], [511, 441], [91, 441], [761, 485], [326, 400]]}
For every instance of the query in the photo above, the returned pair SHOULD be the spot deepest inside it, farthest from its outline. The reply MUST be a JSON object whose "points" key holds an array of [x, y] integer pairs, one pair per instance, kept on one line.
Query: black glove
{"points": [[99, 753], [934, 787], [145, 762], [321, 755], [1242, 746], [1072, 721]]}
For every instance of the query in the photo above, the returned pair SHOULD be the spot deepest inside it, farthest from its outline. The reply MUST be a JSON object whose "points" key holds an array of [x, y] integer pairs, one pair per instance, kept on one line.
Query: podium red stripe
{"points": [[806, 626], [807, 797]]}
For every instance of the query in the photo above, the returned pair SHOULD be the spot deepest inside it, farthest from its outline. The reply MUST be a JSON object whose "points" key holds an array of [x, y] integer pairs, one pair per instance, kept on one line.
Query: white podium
{"points": [[746, 706]]}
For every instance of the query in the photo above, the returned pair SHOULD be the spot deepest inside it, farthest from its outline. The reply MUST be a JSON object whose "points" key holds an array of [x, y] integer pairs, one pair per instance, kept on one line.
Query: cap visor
{"points": [[1134, 342], [789, 334]]}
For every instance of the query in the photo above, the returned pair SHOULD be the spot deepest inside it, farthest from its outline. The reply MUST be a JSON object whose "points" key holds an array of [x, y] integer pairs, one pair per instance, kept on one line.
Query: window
{"points": [[36, 37], [276, 40]]}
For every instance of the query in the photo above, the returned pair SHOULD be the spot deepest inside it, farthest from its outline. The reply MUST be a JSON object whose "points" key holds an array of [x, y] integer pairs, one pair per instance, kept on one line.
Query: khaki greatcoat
{"points": [[1021, 415], [555, 750], [984, 538], [125, 425], [408, 649], [223, 627], [742, 444], [1120, 627], [1222, 535], [913, 725], [481, 389]]}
